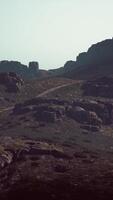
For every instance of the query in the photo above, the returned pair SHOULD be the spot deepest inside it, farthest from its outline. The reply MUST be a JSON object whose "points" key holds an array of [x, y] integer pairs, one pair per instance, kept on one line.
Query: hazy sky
{"points": [[52, 31]]}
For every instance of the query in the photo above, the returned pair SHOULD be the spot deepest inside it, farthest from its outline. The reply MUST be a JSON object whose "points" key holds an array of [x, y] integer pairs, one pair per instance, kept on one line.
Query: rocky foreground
{"points": [[75, 164], [41, 170]]}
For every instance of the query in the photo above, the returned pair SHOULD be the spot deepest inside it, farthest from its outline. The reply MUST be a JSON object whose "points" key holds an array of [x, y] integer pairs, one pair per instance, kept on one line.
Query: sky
{"points": [[52, 31]]}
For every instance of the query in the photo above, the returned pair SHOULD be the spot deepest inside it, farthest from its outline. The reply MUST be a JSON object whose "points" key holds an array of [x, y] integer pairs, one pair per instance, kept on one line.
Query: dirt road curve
{"points": [[42, 94], [53, 89]]}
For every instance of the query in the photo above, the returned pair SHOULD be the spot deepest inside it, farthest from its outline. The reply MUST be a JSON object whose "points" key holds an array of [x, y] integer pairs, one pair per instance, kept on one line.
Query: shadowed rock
{"points": [[11, 81]]}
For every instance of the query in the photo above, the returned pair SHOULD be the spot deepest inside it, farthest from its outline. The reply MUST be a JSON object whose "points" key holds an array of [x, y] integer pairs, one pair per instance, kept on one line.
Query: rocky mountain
{"points": [[31, 71], [96, 62]]}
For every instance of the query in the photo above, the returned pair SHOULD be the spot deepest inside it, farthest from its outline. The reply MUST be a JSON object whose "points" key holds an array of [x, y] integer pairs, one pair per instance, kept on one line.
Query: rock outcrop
{"points": [[33, 68], [95, 113], [83, 116], [87, 112], [6, 158], [103, 109], [98, 54], [11, 81], [14, 150]]}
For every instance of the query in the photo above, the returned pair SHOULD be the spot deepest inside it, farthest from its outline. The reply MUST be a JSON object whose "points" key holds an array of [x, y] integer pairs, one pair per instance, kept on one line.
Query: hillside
{"points": [[56, 133], [30, 89], [56, 141]]}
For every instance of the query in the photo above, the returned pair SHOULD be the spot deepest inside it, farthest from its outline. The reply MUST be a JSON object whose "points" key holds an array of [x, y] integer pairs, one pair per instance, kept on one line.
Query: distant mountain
{"points": [[24, 71], [97, 61]]}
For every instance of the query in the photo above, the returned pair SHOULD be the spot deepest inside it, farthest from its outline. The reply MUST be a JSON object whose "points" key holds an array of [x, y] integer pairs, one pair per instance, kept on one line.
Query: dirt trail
{"points": [[42, 94], [54, 89]]}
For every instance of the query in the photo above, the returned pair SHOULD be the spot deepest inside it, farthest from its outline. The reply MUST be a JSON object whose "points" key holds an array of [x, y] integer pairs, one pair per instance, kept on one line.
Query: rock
{"points": [[58, 109], [49, 116], [79, 109], [11, 81], [97, 54], [89, 105], [103, 109], [93, 119], [82, 116], [49, 151], [5, 159], [69, 65], [90, 128], [33, 68], [49, 113]]}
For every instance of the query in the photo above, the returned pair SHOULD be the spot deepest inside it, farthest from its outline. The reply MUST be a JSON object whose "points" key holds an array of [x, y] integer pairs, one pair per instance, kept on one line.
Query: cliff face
{"points": [[97, 61], [100, 53]]}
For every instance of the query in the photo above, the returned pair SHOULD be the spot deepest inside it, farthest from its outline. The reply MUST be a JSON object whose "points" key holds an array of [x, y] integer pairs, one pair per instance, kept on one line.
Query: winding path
{"points": [[43, 94], [54, 89]]}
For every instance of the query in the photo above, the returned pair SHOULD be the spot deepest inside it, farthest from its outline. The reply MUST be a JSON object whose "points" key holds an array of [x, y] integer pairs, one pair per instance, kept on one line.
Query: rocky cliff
{"points": [[96, 62]]}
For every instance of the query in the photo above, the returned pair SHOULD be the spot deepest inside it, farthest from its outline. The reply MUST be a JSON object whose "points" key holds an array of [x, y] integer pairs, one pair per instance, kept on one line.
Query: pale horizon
{"points": [[52, 31]]}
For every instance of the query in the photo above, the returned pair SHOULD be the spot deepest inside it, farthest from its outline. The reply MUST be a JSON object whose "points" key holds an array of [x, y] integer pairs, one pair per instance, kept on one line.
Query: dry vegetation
{"points": [[30, 89]]}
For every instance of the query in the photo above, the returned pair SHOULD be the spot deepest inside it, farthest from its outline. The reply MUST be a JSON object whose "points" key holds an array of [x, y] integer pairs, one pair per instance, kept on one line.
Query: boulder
{"points": [[103, 109], [92, 118], [45, 111], [83, 116], [49, 116]]}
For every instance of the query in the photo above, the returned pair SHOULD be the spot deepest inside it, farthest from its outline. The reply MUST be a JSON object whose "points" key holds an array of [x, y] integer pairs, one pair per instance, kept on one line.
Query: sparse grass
{"points": [[2, 150], [108, 131], [69, 92], [10, 143], [75, 91], [31, 89]]}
